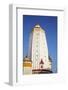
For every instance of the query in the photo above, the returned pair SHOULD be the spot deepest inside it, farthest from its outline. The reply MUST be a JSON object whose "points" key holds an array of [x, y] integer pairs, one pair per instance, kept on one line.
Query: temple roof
{"points": [[27, 59]]}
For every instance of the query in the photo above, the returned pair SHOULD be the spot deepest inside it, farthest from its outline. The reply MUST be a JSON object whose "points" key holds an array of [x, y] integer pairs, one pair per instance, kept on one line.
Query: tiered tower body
{"points": [[38, 50]]}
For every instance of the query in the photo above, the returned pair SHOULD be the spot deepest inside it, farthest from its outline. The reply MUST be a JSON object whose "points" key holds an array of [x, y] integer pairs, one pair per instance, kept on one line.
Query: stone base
{"points": [[43, 71]]}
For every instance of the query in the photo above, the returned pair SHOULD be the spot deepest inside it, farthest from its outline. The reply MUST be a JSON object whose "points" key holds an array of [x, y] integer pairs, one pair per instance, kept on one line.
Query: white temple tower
{"points": [[38, 50]]}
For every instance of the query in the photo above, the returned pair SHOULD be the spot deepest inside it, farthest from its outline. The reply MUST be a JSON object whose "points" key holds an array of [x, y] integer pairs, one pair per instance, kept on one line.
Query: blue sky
{"points": [[49, 24]]}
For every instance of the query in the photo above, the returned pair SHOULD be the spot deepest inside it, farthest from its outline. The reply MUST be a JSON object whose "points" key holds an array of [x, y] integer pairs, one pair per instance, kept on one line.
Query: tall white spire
{"points": [[38, 50]]}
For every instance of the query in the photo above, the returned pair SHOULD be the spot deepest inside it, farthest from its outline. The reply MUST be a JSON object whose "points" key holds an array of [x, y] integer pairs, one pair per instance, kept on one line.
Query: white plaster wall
{"points": [[39, 48]]}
